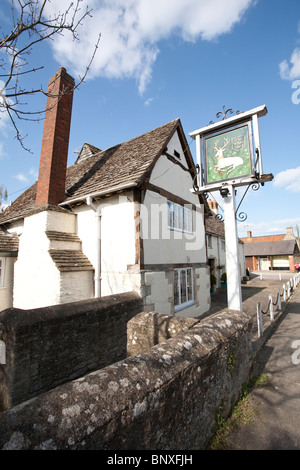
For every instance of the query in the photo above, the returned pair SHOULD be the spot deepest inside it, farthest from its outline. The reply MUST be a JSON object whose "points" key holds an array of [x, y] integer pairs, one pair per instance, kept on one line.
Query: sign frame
{"points": [[255, 175]]}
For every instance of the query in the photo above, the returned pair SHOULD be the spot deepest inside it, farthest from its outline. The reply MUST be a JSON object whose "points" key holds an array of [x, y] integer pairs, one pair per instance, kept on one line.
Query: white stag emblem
{"points": [[227, 164]]}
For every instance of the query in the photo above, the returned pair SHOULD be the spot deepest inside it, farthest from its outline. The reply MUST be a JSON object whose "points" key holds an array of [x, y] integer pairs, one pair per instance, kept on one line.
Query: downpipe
{"points": [[98, 215]]}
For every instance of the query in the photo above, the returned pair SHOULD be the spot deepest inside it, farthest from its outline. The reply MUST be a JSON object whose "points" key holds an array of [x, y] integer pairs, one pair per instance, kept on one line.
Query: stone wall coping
{"points": [[91, 411], [16, 318]]}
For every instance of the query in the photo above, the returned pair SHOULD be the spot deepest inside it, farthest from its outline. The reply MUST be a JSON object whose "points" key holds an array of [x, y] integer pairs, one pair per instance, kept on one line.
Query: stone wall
{"points": [[165, 397], [46, 347], [157, 290]]}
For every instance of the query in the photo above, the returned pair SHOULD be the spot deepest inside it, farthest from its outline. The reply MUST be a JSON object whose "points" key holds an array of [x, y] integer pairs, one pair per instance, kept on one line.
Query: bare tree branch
{"points": [[29, 28], [3, 193]]}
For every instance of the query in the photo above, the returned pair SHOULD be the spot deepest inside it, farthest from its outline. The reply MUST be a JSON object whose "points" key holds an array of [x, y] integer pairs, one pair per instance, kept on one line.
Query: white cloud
{"points": [[21, 177], [2, 151], [33, 172], [131, 31], [271, 227], [291, 71], [148, 101], [288, 179]]}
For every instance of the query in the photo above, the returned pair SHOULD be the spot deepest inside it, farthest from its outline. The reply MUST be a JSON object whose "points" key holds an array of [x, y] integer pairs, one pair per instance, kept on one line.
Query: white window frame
{"points": [[2, 271], [180, 218], [209, 241], [188, 298]]}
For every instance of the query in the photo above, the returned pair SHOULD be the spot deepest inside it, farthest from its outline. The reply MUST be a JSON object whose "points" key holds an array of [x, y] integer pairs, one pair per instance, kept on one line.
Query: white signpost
{"points": [[229, 156]]}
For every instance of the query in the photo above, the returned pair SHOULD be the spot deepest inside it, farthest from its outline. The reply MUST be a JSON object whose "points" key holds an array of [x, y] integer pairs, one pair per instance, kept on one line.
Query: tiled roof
{"points": [[107, 170], [275, 248], [86, 152], [214, 226], [8, 242]]}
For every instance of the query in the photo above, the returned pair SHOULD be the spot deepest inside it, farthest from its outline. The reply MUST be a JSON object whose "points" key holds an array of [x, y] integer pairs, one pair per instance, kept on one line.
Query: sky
{"points": [[159, 60]]}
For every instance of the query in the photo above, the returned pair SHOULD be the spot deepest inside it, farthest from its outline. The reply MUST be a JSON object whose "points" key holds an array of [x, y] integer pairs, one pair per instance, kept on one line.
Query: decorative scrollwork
{"points": [[223, 113], [241, 217], [255, 186], [220, 217]]}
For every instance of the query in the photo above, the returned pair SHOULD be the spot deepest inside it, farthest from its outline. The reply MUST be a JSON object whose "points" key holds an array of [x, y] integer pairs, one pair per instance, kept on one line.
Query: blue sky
{"points": [[159, 60]]}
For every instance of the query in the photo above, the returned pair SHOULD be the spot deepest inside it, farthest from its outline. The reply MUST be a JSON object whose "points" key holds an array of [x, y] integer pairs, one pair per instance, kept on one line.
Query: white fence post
{"points": [[288, 289], [271, 308], [284, 292], [278, 299], [259, 320]]}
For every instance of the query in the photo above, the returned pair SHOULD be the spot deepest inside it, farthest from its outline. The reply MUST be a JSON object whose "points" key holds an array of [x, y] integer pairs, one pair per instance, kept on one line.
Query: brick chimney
{"points": [[290, 231], [249, 234], [55, 143]]}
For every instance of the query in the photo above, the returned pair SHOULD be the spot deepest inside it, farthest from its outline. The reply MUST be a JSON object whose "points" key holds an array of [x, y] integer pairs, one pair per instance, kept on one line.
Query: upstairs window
{"points": [[180, 217], [209, 241]]}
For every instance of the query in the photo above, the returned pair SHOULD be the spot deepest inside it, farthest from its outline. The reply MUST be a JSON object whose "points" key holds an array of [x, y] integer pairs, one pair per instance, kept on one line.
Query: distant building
{"points": [[272, 253]]}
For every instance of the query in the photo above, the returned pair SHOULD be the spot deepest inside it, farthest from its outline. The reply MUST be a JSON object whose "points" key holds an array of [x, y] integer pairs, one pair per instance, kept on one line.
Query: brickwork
{"points": [[55, 143]]}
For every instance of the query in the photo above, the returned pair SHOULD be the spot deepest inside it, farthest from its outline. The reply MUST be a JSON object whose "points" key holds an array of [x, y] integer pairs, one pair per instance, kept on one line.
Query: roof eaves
{"points": [[104, 192]]}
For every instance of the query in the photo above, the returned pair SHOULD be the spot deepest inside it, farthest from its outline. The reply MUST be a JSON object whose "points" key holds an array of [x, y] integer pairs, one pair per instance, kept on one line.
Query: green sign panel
{"points": [[228, 155]]}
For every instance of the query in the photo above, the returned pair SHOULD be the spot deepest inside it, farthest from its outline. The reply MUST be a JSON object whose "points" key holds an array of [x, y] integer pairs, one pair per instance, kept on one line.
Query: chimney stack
{"points": [[55, 143], [215, 207], [290, 231], [249, 234]]}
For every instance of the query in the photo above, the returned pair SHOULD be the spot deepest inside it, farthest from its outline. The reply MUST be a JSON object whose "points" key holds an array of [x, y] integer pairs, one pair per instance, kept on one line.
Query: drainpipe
{"points": [[219, 262], [98, 214]]}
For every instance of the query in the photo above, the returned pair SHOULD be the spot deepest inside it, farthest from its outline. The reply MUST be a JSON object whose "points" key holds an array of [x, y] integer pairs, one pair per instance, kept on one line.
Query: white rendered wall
{"points": [[36, 281], [117, 241]]}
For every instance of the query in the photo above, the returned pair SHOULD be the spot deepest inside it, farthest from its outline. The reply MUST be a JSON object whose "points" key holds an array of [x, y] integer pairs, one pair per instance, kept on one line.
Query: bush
{"points": [[224, 277], [213, 280]]}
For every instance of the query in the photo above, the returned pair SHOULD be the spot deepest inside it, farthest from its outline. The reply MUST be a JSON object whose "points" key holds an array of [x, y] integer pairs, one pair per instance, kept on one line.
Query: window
{"points": [[222, 245], [180, 217], [183, 288], [209, 241], [2, 266]]}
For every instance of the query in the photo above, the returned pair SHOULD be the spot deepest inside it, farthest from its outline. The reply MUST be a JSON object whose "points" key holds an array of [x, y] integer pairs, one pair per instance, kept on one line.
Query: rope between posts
{"points": [[288, 289], [264, 313]]}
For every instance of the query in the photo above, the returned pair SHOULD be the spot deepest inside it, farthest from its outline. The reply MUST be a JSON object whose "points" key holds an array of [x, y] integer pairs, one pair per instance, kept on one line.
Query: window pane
{"points": [[176, 288], [183, 286], [189, 285], [176, 216], [187, 220], [171, 214], [180, 217]]}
